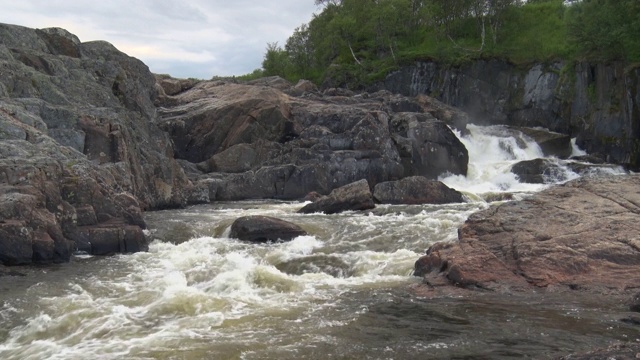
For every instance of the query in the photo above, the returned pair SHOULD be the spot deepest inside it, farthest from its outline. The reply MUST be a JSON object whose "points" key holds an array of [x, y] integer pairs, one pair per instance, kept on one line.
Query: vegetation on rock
{"points": [[356, 42]]}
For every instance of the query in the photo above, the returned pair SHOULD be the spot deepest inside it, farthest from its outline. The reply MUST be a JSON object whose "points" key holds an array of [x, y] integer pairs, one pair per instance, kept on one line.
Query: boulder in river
{"points": [[415, 190], [537, 171], [582, 235], [264, 228], [354, 196]]}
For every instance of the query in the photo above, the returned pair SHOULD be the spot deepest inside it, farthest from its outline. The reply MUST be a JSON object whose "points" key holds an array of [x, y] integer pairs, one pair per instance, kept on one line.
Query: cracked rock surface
{"points": [[584, 235]]}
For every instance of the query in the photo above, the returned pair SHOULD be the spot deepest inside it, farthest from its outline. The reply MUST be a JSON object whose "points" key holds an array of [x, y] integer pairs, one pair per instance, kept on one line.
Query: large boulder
{"points": [[264, 228], [355, 196], [415, 190], [579, 236]]}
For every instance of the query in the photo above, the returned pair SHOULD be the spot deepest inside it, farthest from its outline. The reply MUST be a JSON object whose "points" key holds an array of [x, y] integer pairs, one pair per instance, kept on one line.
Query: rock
{"points": [[78, 148], [257, 141], [427, 146], [551, 143], [110, 237], [306, 86], [450, 115], [581, 235], [171, 86], [355, 196], [415, 190], [263, 229], [635, 303], [631, 320], [538, 171]]}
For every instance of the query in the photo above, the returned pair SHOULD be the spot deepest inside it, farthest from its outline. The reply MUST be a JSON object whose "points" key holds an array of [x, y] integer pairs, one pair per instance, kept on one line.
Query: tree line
{"points": [[355, 42]]}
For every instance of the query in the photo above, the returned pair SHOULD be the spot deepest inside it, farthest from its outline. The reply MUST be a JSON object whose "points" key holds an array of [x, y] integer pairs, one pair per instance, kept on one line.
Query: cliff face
{"points": [[80, 156], [597, 103]]}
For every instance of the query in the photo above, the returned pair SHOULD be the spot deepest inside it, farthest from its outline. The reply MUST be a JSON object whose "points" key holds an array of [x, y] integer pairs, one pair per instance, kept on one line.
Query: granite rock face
{"points": [[80, 155], [579, 236], [270, 139]]}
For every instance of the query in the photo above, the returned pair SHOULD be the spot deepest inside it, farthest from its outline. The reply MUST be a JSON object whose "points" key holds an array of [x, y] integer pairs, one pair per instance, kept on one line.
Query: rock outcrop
{"points": [[415, 190], [270, 139], [263, 229], [80, 156], [354, 196], [579, 236]]}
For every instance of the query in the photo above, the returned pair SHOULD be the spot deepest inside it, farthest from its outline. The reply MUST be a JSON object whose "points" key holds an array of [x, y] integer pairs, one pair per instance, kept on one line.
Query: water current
{"points": [[343, 292]]}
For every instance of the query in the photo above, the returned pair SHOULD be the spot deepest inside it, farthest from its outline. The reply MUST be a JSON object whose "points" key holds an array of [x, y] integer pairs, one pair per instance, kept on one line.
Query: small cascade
{"points": [[494, 150]]}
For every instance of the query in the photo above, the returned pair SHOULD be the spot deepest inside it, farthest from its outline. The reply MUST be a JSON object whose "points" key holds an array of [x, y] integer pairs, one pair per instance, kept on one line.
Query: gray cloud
{"points": [[199, 38]]}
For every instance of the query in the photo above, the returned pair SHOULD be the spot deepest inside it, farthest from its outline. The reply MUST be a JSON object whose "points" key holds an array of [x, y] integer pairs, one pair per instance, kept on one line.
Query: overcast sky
{"points": [[195, 38]]}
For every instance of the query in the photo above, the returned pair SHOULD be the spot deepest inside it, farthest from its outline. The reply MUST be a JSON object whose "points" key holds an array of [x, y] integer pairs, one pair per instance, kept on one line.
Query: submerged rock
{"points": [[579, 236], [415, 190], [355, 196], [264, 228]]}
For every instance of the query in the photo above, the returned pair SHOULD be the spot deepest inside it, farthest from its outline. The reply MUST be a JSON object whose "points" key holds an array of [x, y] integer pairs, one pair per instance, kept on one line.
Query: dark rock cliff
{"points": [[597, 103]]}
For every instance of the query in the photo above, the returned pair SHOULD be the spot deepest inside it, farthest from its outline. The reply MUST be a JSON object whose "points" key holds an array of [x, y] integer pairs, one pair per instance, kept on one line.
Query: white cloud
{"points": [[200, 38]]}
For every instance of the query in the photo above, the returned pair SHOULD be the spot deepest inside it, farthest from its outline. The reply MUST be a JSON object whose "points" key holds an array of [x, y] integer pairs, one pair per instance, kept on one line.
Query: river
{"points": [[343, 292]]}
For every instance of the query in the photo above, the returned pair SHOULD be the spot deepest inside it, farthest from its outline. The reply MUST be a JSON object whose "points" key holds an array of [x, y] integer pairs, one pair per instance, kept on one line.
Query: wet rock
{"points": [[415, 190], [581, 235], [635, 303], [355, 196], [631, 320], [264, 228], [110, 237], [551, 143], [427, 146], [537, 171]]}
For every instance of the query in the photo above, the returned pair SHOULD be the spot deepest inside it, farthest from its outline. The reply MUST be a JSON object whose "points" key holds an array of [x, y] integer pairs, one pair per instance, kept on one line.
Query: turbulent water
{"points": [[343, 292]]}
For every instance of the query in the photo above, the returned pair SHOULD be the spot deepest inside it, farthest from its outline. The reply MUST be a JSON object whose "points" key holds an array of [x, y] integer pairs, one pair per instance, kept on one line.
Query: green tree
{"points": [[300, 51], [276, 61], [606, 29]]}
